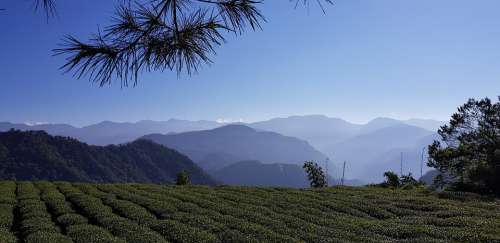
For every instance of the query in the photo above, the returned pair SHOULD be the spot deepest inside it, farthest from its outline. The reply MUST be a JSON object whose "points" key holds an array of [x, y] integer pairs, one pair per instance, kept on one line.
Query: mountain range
{"points": [[324, 132], [369, 149], [216, 148], [107, 132]]}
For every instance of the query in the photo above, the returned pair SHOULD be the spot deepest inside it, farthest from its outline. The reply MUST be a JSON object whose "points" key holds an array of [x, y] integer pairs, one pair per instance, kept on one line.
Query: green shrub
{"points": [[130, 231], [131, 211], [150, 213], [6, 236], [45, 237], [32, 225], [85, 233], [71, 219], [391, 179], [177, 232], [183, 178], [6, 215]]}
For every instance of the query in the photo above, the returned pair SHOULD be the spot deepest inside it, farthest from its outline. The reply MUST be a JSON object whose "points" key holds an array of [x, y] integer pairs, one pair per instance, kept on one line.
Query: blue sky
{"points": [[363, 59]]}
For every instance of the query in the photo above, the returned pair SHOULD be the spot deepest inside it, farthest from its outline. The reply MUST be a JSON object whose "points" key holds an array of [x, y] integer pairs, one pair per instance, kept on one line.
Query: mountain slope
{"points": [[254, 173], [368, 145], [370, 154], [240, 143], [35, 155], [325, 133], [320, 131]]}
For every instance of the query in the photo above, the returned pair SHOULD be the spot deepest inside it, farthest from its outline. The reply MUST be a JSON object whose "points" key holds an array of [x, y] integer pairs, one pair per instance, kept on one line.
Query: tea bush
{"points": [[63, 212]]}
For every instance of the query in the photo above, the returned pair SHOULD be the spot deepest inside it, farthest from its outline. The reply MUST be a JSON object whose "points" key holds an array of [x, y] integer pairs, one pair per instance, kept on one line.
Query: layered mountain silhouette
{"points": [[369, 149], [320, 131], [219, 147], [36, 155], [107, 132], [324, 132]]}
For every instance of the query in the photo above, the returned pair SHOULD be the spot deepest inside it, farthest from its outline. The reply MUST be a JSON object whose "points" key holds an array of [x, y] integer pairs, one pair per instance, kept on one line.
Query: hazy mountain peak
{"points": [[383, 121], [235, 128], [239, 142]]}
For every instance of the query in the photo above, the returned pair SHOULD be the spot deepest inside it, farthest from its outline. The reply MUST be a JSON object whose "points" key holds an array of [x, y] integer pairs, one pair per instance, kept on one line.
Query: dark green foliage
{"points": [[177, 232], [6, 215], [91, 234], [131, 211], [183, 178], [71, 219], [408, 182], [129, 230], [391, 179], [36, 223], [54, 200], [7, 205], [405, 181], [6, 236], [35, 155], [467, 157], [96, 210], [255, 173], [315, 174], [120, 213], [44, 237]]}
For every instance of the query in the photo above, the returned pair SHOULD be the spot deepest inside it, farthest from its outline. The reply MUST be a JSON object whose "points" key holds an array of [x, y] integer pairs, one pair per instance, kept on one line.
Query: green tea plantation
{"points": [[61, 212]]}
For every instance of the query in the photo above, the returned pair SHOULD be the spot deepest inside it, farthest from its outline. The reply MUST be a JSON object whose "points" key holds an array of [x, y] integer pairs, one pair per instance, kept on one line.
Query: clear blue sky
{"points": [[363, 59]]}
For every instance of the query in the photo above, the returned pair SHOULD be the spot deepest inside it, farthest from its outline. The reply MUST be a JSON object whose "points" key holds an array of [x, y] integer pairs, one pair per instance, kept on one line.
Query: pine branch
{"points": [[175, 35], [49, 6]]}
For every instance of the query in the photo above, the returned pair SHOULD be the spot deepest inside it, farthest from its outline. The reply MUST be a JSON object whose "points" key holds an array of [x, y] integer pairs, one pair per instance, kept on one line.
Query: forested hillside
{"points": [[35, 155], [255, 173]]}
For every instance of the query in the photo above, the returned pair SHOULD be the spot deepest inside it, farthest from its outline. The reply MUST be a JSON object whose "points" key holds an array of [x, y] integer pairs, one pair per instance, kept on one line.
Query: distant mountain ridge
{"points": [[238, 143], [368, 148], [108, 132], [319, 130], [35, 155], [323, 132]]}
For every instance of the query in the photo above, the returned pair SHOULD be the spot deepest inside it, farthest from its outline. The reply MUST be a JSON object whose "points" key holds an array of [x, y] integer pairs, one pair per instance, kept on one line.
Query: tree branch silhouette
{"points": [[159, 35]]}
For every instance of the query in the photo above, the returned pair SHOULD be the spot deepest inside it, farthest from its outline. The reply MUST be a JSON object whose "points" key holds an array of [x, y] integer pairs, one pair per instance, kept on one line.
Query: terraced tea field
{"points": [[64, 212]]}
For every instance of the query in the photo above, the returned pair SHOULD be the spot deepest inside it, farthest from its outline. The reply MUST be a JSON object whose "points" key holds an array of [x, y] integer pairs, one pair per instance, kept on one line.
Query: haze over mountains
{"points": [[107, 132], [233, 143], [369, 149]]}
